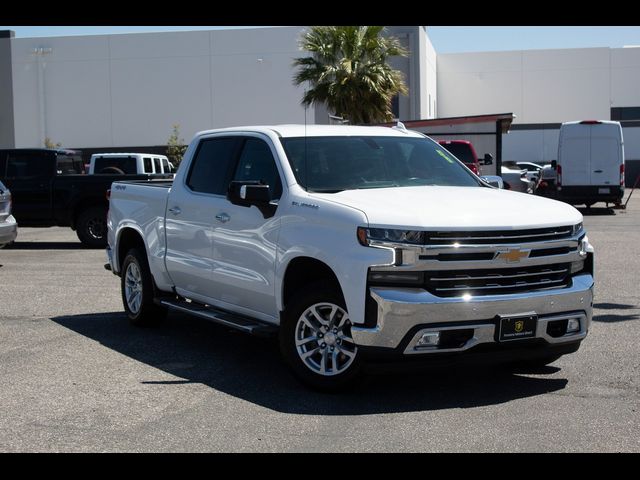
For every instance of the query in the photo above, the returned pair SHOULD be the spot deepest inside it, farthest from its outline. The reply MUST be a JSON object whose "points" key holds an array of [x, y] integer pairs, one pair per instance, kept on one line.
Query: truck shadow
{"points": [[250, 368], [615, 317], [47, 246], [594, 211]]}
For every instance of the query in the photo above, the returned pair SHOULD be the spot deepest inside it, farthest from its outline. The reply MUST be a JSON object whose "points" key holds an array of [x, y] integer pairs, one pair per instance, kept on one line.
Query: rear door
{"points": [[191, 209], [606, 154], [574, 154]]}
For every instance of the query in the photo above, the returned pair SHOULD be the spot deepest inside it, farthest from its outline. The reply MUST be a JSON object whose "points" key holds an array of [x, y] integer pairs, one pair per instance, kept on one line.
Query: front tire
{"points": [[316, 341], [138, 291]]}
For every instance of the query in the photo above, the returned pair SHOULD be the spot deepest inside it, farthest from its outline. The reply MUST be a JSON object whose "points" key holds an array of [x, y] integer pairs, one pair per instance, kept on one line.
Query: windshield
{"points": [[462, 151], [333, 164]]}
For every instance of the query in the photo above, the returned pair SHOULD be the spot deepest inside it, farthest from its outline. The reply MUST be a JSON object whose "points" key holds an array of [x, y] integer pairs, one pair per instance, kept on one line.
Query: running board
{"points": [[239, 322]]}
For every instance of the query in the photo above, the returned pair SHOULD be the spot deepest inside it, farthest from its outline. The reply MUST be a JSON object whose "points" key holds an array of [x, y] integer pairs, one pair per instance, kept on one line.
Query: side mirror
{"points": [[493, 180], [554, 164], [248, 193], [488, 159]]}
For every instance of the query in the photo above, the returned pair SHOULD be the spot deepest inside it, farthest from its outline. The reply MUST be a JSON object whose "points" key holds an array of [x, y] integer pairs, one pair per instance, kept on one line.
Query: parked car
{"points": [[8, 224], [463, 150], [515, 178], [49, 188], [590, 166], [546, 185], [533, 170], [129, 163], [352, 243]]}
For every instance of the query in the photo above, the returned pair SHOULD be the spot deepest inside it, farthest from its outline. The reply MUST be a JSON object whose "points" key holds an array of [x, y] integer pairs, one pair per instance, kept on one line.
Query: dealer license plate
{"points": [[517, 327], [604, 190]]}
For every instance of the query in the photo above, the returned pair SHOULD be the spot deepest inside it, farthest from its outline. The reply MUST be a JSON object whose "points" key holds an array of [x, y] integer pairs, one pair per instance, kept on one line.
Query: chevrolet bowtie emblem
{"points": [[513, 255]]}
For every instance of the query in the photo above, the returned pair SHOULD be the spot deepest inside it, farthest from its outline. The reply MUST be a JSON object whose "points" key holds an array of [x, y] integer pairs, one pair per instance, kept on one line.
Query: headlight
{"points": [[367, 235], [576, 229]]}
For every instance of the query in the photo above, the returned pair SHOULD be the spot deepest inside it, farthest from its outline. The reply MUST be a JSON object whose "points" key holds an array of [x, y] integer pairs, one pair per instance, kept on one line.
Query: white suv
{"points": [[129, 163]]}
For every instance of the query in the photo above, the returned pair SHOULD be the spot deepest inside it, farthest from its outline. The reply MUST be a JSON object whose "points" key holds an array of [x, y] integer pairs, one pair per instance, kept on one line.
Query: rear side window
{"points": [[109, 165], [69, 164], [148, 168], [211, 168]]}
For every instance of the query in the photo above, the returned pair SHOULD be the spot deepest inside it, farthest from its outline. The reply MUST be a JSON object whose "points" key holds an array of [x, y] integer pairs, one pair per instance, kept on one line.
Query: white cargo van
{"points": [[590, 166], [129, 163]]}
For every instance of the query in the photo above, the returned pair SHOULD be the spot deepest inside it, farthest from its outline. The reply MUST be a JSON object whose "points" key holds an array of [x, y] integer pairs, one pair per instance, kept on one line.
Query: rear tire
{"points": [[138, 291], [315, 339], [91, 227]]}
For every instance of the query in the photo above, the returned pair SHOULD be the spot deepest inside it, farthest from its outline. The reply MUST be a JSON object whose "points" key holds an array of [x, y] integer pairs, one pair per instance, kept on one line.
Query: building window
{"points": [[625, 113], [395, 106]]}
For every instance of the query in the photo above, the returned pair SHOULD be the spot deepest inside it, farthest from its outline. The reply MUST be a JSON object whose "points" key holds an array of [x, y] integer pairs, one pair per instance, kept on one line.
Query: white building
{"points": [[125, 91]]}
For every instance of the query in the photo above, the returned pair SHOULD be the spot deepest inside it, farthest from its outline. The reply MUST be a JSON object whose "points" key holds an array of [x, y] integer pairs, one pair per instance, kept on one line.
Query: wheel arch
{"points": [[302, 271]]}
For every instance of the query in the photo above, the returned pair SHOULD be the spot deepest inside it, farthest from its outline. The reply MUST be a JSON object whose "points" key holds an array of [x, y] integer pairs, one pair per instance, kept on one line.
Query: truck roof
{"points": [[318, 130]]}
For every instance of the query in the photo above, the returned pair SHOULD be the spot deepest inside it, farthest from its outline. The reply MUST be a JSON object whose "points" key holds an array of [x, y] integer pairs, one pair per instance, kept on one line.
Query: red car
{"points": [[463, 151]]}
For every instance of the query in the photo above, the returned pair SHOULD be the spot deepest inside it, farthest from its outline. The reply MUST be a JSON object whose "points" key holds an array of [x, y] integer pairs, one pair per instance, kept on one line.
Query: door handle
{"points": [[597, 171], [175, 210], [223, 217]]}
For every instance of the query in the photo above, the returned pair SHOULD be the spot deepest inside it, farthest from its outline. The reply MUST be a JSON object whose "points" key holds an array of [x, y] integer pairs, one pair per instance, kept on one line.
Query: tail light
{"points": [[108, 194], [559, 170], [622, 175]]}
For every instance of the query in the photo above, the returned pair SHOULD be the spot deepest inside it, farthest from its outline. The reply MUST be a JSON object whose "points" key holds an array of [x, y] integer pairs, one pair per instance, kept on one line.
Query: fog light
{"points": [[431, 339], [573, 325]]}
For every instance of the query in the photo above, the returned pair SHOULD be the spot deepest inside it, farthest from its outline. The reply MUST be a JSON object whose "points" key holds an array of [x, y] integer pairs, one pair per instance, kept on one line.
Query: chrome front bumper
{"points": [[400, 311]]}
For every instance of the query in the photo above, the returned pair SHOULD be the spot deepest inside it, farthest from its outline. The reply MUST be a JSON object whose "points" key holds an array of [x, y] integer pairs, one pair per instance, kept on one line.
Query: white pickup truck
{"points": [[353, 244]]}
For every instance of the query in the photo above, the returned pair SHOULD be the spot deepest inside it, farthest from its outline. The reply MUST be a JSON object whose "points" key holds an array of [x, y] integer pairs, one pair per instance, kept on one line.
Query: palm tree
{"points": [[348, 72]]}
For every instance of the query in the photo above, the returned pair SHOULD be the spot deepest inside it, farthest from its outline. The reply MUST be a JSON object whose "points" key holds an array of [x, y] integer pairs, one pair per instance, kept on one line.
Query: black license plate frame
{"points": [[513, 328]]}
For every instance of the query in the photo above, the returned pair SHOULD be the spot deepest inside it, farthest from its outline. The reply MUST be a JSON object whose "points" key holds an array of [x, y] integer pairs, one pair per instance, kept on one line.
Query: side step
{"points": [[239, 322]]}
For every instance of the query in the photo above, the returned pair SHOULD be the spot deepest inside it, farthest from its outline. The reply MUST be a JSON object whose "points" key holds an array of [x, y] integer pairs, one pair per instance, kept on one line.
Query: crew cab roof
{"points": [[317, 131]]}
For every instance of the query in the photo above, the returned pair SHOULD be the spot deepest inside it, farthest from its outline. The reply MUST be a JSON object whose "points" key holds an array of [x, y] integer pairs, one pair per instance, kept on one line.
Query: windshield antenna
{"points": [[306, 107]]}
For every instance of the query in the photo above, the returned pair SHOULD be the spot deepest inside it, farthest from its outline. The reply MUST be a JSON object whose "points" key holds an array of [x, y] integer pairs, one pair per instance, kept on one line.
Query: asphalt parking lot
{"points": [[77, 377]]}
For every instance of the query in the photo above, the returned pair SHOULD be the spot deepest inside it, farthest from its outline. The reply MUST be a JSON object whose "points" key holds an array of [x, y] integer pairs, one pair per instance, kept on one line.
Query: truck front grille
{"points": [[498, 281], [496, 237]]}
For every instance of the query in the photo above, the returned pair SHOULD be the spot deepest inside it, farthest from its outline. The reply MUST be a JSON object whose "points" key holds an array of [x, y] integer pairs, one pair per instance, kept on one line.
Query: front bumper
{"points": [[8, 230], [403, 315]]}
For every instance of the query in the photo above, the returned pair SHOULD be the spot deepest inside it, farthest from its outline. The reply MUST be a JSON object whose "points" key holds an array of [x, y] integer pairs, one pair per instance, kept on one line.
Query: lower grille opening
{"points": [[455, 338]]}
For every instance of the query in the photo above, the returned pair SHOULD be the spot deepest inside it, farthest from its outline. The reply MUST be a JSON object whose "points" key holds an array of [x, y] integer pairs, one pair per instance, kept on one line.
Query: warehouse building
{"points": [[126, 91]]}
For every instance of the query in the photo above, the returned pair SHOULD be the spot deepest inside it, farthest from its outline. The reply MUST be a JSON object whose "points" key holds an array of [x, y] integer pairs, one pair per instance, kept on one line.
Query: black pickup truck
{"points": [[49, 188]]}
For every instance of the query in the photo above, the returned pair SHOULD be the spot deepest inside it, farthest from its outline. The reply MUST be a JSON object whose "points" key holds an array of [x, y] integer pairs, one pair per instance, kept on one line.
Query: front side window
{"points": [[212, 165], [331, 164], [28, 165], [256, 163]]}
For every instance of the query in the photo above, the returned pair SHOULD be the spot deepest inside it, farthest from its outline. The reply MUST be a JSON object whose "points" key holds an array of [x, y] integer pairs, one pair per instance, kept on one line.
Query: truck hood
{"points": [[455, 208]]}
